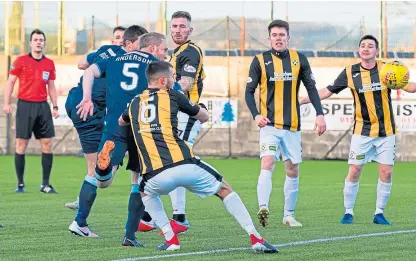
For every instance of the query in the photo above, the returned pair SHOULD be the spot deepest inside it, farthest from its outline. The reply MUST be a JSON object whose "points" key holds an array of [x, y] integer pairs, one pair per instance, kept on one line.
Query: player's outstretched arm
{"points": [[338, 85], [306, 76], [323, 93]]}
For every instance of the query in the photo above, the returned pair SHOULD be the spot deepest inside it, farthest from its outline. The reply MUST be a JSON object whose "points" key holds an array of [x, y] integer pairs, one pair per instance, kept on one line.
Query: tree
{"points": [[227, 114]]}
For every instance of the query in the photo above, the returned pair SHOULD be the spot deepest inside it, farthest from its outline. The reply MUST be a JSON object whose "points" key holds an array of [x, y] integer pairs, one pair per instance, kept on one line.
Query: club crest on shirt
{"points": [[45, 76]]}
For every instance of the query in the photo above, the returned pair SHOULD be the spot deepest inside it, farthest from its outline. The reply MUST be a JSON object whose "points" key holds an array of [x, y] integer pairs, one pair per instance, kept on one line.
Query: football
{"points": [[394, 75]]}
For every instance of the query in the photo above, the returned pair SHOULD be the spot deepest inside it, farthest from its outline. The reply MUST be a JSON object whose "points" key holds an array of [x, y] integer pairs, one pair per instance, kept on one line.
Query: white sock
{"points": [[291, 191], [350, 194], [154, 207], [383, 193], [236, 208], [264, 187], [178, 198]]}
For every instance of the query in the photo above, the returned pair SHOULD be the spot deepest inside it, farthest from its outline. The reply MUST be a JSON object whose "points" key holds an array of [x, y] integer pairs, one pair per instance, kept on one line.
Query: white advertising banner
{"points": [[63, 119], [222, 112], [339, 115]]}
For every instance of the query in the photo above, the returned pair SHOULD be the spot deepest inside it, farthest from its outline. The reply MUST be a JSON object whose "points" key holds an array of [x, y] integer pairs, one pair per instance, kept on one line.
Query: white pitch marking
{"points": [[296, 243]]}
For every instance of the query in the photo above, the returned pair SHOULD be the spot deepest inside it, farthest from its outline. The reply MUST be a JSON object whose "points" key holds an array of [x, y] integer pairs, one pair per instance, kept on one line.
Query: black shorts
{"points": [[34, 117], [134, 161]]}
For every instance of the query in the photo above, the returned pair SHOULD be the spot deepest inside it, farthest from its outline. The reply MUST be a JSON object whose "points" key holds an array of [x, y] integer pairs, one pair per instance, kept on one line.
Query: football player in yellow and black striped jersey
{"points": [[168, 162], [187, 62], [374, 131], [279, 72]]}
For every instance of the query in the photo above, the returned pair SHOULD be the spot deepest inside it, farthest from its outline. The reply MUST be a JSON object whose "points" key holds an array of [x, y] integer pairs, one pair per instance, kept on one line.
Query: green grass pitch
{"points": [[36, 225]]}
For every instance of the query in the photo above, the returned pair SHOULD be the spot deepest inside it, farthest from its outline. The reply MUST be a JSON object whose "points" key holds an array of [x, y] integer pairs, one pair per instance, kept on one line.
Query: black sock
{"points": [[179, 217], [19, 164], [136, 209], [47, 159], [146, 217]]}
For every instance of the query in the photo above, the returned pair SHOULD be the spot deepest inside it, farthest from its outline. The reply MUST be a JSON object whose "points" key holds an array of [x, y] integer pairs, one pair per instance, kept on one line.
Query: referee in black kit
{"points": [[36, 74]]}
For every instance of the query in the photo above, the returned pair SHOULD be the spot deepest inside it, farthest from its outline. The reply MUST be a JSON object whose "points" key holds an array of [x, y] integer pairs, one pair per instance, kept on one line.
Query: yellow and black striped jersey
{"points": [[374, 115], [187, 60], [279, 75], [154, 124]]}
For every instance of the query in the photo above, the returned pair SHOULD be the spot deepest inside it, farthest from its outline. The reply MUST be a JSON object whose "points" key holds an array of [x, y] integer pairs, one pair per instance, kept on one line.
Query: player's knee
{"points": [[267, 163], [104, 184], [386, 173], [224, 190], [46, 145], [354, 173], [292, 170], [21, 145]]}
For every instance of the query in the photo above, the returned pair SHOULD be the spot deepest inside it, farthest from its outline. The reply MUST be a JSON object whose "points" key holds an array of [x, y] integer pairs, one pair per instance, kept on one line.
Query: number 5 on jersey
{"points": [[147, 110], [134, 78]]}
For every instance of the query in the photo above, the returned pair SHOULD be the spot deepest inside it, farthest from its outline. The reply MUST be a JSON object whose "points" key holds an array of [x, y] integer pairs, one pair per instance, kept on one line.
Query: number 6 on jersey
{"points": [[147, 111]]}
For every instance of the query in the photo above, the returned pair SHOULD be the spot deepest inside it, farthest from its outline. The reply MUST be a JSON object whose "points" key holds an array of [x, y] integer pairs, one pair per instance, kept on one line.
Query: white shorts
{"points": [[365, 149], [198, 177], [188, 128], [274, 141]]}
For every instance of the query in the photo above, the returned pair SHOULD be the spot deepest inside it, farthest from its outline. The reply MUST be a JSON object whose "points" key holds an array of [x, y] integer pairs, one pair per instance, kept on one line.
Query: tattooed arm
{"points": [[186, 83]]}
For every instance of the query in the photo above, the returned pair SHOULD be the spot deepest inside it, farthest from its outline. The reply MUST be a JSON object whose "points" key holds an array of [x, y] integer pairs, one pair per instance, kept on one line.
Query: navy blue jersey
{"points": [[125, 78], [98, 89]]}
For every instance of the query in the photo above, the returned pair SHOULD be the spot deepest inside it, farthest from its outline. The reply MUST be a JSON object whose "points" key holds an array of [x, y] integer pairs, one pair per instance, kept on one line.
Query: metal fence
{"points": [[75, 28]]}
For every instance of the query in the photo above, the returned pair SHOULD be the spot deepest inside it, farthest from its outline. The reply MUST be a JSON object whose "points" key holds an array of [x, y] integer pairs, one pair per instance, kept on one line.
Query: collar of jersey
{"points": [[30, 55], [177, 48], [281, 54]]}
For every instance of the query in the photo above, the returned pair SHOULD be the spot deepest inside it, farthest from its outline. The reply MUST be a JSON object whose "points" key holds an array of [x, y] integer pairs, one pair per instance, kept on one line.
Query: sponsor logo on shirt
{"points": [[189, 68]]}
